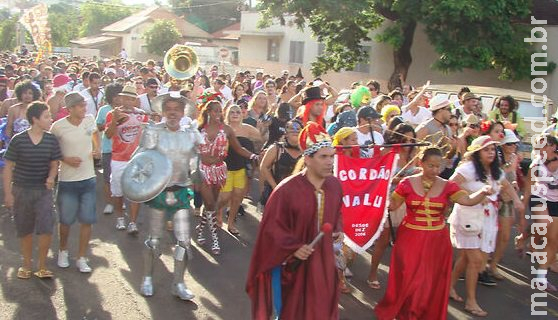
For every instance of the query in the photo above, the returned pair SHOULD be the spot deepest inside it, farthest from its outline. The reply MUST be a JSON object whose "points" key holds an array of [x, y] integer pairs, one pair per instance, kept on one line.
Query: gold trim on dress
{"points": [[424, 228], [397, 196], [458, 195]]}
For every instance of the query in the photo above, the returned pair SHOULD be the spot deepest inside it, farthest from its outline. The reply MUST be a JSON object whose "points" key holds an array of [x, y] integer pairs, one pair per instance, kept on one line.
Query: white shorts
{"points": [[117, 169]]}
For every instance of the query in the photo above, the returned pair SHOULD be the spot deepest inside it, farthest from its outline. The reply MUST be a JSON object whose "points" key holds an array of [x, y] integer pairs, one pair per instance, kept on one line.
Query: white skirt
{"points": [[485, 241]]}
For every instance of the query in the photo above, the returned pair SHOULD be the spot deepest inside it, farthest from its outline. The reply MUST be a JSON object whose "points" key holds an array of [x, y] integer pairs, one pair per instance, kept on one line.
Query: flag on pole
{"points": [[35, 20]]}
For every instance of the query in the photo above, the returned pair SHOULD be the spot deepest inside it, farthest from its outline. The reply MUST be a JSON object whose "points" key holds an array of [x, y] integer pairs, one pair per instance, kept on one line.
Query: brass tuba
{"points": [[181, 62]]}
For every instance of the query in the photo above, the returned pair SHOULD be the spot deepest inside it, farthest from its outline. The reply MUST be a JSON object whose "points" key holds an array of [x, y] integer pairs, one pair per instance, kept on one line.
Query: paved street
{"points": [[112, 290]]}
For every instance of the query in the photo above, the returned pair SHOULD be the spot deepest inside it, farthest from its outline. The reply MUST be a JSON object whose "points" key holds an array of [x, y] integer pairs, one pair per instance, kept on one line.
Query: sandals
{"points": [[23, 273], [455, 297], [477, 312], [551, 288], [234, 231], [44, 274], [496, 275], [374, 284]]}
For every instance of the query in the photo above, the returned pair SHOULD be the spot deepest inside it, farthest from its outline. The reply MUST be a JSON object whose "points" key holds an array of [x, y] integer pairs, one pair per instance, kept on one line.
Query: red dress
{"points": [[420, 268], [292, 218]]}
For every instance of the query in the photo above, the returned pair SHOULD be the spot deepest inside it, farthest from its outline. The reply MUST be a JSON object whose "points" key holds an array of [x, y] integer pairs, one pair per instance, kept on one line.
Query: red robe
{"points": [[290, 221]]}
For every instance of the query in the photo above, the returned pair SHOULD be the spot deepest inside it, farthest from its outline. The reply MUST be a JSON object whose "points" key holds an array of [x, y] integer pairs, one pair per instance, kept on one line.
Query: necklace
{"points": [[426, 185]]}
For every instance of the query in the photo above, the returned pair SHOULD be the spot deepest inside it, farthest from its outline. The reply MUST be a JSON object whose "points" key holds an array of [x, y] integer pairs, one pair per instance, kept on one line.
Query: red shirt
{"points": [[126, 138]]}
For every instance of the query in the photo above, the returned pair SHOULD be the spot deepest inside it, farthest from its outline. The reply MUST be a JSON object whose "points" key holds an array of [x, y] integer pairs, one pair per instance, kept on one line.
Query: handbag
{"points": [[470, 220]]}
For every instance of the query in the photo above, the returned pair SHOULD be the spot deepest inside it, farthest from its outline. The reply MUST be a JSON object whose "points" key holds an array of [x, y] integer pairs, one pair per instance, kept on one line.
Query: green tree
{"points": [[96, 15], [64, 24], [161, 36], [209, 15], [8, 32], [473, 34]]}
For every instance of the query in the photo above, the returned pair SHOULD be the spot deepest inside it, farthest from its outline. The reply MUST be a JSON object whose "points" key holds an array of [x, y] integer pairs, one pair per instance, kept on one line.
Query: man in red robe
{"points": [[294, 215]]}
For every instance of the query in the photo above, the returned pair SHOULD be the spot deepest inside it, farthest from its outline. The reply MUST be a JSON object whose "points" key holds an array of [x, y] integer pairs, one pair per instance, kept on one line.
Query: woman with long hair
{"points": [[541, 195], [26, 92], [234, 189], [420, 267], [473, 229], [216, 137], [239, 91], [506, 212]]}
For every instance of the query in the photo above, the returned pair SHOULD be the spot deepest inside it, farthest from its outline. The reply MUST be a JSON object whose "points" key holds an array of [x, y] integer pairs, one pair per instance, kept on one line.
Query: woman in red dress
{"points": [[420, 268]]}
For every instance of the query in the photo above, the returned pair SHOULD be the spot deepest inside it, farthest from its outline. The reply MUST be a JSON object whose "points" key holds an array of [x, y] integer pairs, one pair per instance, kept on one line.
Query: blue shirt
{"points": [[106, 143]]}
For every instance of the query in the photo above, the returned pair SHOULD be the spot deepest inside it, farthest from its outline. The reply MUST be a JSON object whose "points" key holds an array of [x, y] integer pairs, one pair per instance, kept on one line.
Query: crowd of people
{"points": [[64, 119]]}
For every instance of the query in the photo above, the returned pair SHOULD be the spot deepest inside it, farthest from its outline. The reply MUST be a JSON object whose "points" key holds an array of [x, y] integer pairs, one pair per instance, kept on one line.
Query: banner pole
{"points": [[385, 145]]}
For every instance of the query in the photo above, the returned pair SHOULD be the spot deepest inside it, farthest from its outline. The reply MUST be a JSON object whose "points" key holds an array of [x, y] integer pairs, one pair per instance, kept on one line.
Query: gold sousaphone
{"points": [[181, 62]]}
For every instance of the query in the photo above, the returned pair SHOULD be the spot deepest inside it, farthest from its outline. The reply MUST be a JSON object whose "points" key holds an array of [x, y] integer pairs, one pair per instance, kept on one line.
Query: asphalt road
{"points": [[111, 291]]}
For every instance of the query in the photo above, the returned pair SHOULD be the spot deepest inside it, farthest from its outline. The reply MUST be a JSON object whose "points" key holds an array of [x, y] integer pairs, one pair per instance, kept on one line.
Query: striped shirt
{"points": [[32, 161]]}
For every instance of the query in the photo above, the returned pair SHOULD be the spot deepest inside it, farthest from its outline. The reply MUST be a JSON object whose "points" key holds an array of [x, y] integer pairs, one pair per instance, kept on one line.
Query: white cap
{"points": [[509, 137]]}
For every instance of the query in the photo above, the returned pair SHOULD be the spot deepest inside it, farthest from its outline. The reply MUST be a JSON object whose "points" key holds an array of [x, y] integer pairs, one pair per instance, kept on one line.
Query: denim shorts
{"points": [[77, 199], [33, 211]]}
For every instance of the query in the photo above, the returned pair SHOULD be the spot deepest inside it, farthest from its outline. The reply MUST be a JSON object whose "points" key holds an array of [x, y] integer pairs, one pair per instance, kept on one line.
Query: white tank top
{"points": [[546, 182]]}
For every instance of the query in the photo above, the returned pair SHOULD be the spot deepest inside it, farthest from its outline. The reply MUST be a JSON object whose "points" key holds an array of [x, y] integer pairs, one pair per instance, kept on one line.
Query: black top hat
{"points": [[299, 74], [312, 93]]}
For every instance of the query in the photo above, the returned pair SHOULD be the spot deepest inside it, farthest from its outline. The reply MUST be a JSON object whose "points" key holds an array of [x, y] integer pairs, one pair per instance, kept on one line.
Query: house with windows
{"points": [[278, 47]]}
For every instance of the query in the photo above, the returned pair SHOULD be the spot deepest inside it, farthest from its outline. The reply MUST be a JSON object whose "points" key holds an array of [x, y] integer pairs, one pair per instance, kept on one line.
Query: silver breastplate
{"points": [[179, 146]]}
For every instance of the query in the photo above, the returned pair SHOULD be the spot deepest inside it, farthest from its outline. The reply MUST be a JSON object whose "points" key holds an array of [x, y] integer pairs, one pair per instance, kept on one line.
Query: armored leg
{"points": [[181, 254], [153, 249]]}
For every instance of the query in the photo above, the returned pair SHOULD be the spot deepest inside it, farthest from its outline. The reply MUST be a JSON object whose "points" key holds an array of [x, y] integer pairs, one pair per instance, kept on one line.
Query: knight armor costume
{"points": [[159, 175]]}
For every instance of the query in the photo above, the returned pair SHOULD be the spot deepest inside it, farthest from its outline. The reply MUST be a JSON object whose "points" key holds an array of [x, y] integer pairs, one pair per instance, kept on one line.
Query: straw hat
{"points": [[129, 91], [479, 144]]}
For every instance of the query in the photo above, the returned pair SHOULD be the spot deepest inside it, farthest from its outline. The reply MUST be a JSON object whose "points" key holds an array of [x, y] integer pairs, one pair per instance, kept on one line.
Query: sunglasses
{"points": [[474, 126], [153, 87], [511, 144]]}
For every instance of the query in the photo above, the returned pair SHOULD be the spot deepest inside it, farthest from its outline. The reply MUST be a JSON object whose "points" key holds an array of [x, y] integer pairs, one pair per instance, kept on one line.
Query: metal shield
{"points": [[146, 175]]}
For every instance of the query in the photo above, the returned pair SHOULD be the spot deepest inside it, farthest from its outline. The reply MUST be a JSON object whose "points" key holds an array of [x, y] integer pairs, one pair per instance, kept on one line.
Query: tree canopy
{"points": [[94, 16], [8, 32], [467, 34], [209, 15], [64, 24], [161, 36]]}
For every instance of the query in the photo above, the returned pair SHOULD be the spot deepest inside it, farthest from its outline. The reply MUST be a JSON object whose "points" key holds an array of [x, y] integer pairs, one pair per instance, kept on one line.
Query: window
{"points": [[364, 66], [296, 53], [272, 50]]}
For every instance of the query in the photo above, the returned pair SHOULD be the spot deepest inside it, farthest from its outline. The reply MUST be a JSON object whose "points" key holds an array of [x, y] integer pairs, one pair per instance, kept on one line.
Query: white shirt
{"points": [[145, 103], [422, 116], [93, 103], [76, 141], [226, 92], [123, 55], [366, 139], [79, 88]]}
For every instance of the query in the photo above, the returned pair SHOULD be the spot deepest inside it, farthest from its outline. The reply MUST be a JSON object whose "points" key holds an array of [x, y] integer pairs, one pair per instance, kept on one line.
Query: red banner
{"points": [[365, 184]]}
